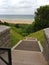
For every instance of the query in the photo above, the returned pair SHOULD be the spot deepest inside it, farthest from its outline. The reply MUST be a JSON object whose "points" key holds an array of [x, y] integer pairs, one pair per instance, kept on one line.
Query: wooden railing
{"points": [[3, 51]]}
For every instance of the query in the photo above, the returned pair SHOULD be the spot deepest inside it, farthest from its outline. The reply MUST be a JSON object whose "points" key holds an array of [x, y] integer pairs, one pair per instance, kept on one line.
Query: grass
{"points": [[15, 37], [39, 35]]}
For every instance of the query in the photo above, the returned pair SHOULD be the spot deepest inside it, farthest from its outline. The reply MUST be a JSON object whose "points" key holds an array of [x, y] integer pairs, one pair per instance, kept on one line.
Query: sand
{"points": [[18, 21]]}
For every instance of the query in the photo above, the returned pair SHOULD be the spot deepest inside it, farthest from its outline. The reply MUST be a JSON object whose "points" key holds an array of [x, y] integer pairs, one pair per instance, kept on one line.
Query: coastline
{"points": [[18, 21]]}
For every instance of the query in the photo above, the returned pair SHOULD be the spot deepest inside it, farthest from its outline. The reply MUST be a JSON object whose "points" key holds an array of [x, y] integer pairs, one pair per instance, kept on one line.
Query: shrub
{"points": [[42, 18]]}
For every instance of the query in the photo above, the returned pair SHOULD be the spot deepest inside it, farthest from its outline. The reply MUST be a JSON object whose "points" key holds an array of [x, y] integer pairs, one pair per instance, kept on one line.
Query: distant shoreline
{"points": [[18, 21]]}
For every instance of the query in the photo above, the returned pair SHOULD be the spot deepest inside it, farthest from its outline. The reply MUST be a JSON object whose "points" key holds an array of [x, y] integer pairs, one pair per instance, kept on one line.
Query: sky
{"points": [[21, 7]]}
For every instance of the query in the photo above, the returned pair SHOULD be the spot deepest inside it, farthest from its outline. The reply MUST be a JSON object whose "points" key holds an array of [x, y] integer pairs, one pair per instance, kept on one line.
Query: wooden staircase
{"points": [[28, 53]]}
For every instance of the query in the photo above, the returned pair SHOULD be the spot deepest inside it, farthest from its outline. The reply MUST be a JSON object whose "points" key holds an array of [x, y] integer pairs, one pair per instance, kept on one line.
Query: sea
{"points": [[17, 17]]}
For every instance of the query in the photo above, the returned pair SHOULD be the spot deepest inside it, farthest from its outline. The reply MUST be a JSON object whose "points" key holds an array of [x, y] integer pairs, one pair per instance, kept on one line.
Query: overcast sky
{"points": [[20, 6]]}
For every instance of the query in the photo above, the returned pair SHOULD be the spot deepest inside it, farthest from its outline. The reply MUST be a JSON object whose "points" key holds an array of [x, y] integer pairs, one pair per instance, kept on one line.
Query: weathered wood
{"points": [[46, 44], [4, 36]]}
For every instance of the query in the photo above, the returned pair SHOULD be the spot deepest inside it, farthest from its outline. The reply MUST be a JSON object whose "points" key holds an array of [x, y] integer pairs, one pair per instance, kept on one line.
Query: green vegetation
{"points": [[42, 18], [22, 29], [39, 35], [15, 37]]}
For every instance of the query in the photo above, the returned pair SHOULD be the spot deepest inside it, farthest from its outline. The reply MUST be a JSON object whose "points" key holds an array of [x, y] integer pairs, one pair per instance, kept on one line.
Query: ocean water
{"points": [[15, 17]]}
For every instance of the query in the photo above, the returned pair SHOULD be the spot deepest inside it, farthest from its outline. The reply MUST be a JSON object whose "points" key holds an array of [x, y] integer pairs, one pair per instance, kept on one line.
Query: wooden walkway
{"points": [[28, 53], [28, 46], [20, 57]]}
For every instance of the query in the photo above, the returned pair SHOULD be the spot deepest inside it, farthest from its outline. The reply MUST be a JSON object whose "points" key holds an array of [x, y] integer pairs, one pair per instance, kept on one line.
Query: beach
{"points": [[18, 21]]}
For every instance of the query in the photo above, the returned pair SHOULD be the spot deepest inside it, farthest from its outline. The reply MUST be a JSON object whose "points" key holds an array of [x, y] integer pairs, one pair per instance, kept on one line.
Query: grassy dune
{"points": [[39, 35], [15, 37]]}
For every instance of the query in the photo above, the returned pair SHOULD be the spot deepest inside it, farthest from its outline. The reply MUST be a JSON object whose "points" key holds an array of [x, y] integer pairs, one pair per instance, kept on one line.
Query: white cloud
{"points": [[20, 6]]}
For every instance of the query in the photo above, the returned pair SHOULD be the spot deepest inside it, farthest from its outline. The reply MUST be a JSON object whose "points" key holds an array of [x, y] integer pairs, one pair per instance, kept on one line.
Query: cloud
{"points": [[24, 2], [20, 6]]}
